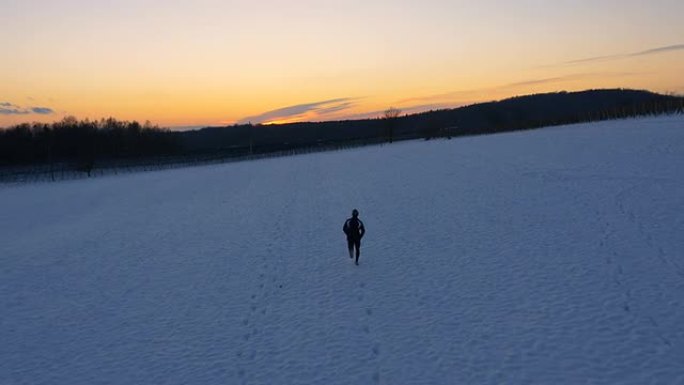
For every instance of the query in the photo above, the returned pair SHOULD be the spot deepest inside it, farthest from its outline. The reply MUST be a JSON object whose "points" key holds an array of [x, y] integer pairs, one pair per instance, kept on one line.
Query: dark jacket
{"points": [[353, 228]]}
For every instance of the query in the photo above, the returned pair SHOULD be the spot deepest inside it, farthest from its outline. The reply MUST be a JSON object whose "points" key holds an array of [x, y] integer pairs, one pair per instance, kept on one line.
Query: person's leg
{"points": [[350, 247], [357, 244]]}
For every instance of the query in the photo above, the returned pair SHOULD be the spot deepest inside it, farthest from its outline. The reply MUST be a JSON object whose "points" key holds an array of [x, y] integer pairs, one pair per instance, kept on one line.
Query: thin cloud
{"points": [[556, 79], [566, 78], [7, 108], [12, 111], [676, 47], [423, 108], [651, 51], [335, 108], [317, 109], [470, 94], [403, 111], [442, 96], [593, 59], [42, 110]]}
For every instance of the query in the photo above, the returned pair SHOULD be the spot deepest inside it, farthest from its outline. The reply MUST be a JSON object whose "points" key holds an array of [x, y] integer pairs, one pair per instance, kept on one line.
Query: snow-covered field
{"points": [[545, 257]]}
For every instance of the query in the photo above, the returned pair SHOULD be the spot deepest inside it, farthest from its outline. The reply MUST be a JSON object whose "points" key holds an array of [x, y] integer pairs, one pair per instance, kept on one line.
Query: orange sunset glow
{"points": [[212, 62]]}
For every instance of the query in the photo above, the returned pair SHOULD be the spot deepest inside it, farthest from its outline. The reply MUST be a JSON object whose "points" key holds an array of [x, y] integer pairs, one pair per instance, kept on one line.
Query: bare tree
{"points": [[391, 115]]}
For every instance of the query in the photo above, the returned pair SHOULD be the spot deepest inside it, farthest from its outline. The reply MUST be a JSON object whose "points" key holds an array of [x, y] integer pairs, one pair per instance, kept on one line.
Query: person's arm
{"points": [[345, 227], [362, 229]]}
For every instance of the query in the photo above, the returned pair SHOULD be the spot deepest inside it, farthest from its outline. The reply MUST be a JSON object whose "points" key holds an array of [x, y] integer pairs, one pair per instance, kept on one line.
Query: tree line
{"points": [[85, 144]]}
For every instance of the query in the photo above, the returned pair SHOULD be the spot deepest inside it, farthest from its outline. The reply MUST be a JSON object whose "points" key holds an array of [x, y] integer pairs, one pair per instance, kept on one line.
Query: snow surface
{"points": [[546, 257]]}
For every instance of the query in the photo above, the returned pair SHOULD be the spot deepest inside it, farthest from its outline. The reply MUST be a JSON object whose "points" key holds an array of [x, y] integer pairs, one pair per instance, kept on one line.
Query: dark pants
{"points": [[354, 243]]}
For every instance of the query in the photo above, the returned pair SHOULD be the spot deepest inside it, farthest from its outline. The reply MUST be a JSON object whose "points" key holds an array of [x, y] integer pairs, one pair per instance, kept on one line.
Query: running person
{"points": [[353, 228]]}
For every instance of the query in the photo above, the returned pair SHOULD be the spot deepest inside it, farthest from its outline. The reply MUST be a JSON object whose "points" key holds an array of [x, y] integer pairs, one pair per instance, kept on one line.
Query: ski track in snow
{"points": [[549, 256]]}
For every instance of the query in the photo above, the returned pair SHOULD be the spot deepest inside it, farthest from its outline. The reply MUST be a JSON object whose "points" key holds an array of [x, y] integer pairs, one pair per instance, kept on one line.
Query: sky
{"points": [[184, 64]]}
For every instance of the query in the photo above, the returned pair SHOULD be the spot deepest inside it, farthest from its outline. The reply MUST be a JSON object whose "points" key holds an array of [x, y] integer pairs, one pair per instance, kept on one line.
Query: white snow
{"points": [[545, 257]]}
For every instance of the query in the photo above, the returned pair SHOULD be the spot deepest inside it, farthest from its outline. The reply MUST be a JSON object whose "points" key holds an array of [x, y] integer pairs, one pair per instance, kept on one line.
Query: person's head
{"points": [[355, 213]]}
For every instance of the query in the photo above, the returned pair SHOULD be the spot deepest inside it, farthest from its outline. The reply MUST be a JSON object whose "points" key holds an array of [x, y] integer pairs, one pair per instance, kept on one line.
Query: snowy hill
{"points": [[547, 257]]}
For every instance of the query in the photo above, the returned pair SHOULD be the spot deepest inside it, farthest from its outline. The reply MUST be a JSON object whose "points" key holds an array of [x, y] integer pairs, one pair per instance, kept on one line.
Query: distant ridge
{"points": [[516, 113]]}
